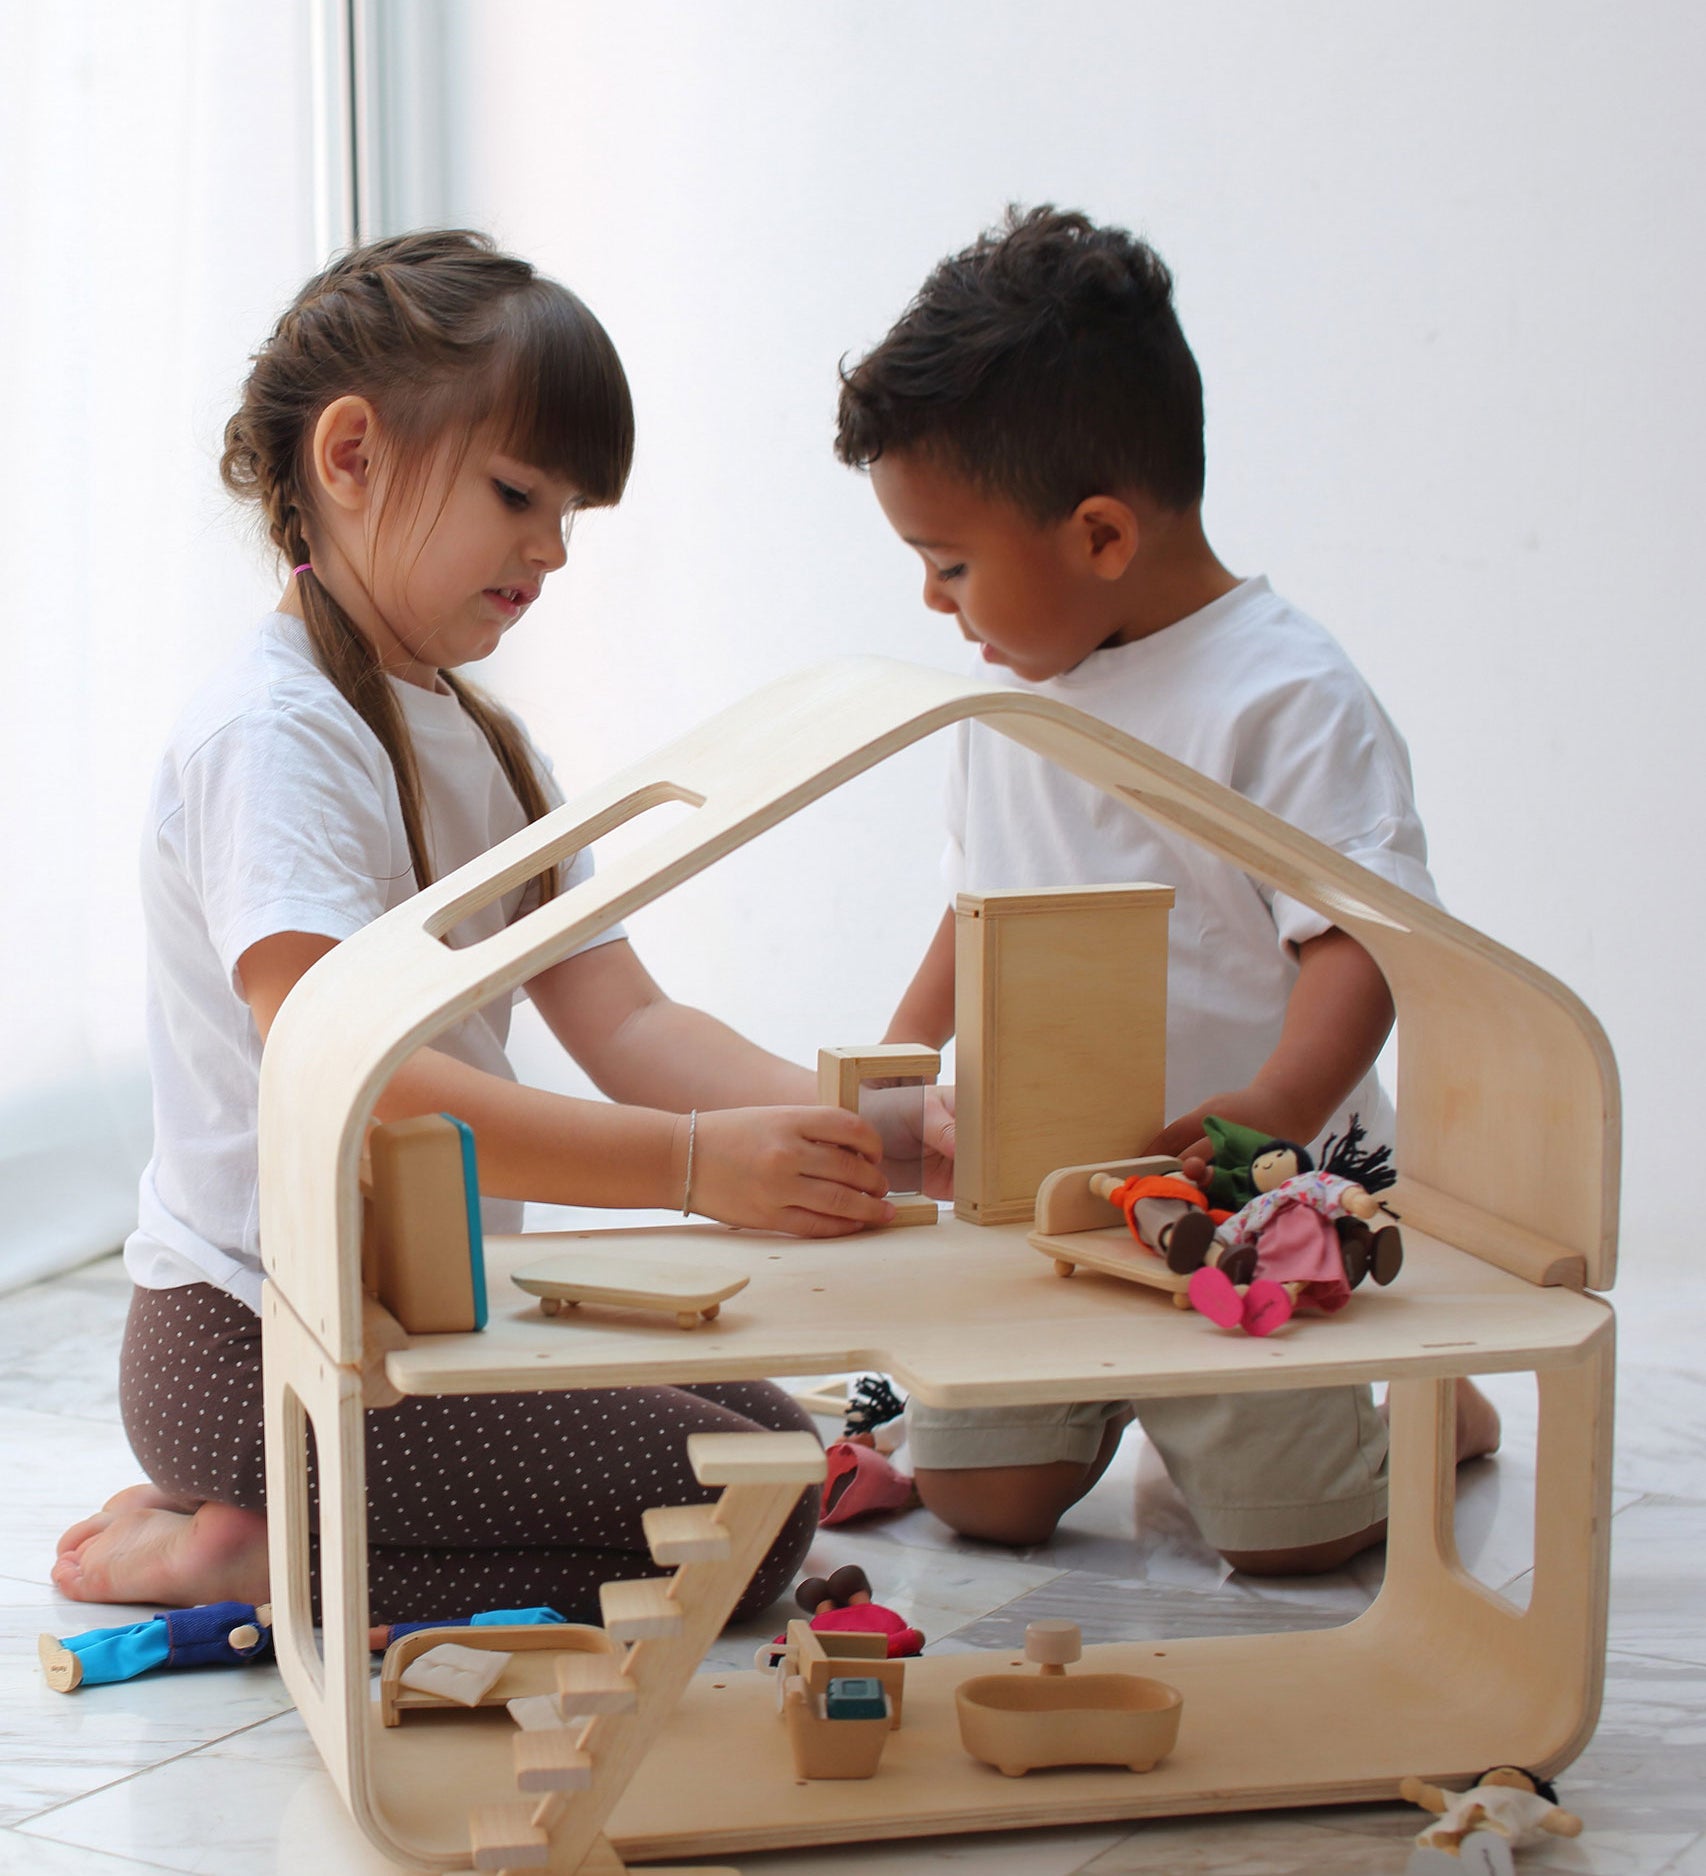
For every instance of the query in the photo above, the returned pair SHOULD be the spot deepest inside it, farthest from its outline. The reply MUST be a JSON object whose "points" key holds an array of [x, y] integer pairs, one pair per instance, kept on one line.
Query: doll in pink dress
{"points": [[1289, 1248]]}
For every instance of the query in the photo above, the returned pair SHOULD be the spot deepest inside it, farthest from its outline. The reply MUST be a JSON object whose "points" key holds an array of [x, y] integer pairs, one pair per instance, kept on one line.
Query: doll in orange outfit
{"points": [[1170, 1216]]}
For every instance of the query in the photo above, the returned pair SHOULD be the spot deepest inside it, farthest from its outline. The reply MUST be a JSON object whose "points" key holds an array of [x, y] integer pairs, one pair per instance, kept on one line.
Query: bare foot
{"points": [[1478, 1429], [1477, 1422], [143, 1497], [148, 1547]]}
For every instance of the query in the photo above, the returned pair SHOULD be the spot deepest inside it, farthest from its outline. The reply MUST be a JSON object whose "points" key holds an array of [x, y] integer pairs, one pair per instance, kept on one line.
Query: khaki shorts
{"points": [[1260, 1471]]}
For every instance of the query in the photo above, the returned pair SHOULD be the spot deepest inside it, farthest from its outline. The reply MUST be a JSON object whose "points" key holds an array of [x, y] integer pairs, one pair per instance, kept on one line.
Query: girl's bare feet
{"points": [[146, 1546], [133, 1498]]}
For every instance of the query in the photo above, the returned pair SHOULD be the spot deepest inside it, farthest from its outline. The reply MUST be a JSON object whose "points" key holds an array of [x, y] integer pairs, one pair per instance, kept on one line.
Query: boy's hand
{"points": [[938, 1142], [809, 1171], [1337, 1017], [1262, 1108]]}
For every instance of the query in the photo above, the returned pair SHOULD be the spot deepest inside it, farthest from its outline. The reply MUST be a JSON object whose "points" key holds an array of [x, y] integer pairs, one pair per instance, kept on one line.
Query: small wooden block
{"points": [[756, 1458], [551, 1761], [685, 1534], [425, 1256], [465, 1675], [504, 1836], [641, 1610], [593, 1684], [840, 1071], [685, 1291], [839, 1644], [1060, 1019]]}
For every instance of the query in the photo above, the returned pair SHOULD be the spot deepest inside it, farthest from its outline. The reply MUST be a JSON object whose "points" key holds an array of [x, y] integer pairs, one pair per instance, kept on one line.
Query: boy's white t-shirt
{"points": [[1252, 693], [275, 809]]}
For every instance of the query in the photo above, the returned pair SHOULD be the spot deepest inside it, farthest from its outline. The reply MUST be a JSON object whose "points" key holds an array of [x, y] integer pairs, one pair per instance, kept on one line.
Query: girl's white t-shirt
{"points": [[275, 809]]}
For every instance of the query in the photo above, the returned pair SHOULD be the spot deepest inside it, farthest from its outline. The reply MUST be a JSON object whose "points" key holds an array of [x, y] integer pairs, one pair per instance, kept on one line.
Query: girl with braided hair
{"points": [[417, 434]]}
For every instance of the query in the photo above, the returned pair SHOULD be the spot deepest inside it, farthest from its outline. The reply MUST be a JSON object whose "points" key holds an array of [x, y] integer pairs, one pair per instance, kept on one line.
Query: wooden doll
{"points": [[1288, 1247], [1505, 1809]]}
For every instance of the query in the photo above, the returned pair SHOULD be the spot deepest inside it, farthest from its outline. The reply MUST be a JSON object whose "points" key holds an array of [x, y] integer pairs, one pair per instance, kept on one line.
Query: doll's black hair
{"points": [[1543, 1787], [1305, 1159], [873, 1403], [1345, 1158]]}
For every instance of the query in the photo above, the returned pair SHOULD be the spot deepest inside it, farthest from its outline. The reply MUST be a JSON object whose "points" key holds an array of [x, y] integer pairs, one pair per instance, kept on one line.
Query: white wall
{"points": [[1438, 264], [155, 214]]}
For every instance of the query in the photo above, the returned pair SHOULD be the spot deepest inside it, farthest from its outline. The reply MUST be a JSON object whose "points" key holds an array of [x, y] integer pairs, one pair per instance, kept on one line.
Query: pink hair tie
{"points": [[306, 567]]}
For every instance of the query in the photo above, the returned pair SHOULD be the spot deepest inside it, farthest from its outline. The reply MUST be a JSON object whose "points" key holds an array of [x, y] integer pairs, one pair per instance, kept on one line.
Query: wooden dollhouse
{"points": [[1508, 1149]]}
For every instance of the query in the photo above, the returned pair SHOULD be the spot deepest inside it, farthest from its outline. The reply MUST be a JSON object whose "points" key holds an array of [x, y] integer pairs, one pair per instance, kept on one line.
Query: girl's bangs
{"points": [[558, 396]]}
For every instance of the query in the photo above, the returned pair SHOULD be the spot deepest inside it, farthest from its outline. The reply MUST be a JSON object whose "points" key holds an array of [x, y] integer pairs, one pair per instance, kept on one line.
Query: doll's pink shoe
{"points": [[1267, 1307], [859, 1482], [1211, 1292]]}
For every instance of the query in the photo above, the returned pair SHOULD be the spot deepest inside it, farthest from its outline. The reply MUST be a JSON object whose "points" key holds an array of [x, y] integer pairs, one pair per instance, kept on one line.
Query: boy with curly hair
{"points": [[1033, 428]]}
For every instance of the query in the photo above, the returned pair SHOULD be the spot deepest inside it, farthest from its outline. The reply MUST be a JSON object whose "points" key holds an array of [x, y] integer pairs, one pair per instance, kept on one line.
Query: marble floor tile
{"points": [[1637, 1787], [22, 1855], [1658, 1605], [1661, 1387], [58, 1469], [1003, 1853], [937, 1591], [1692, 1862], [56, 1747], [229, 1810], [1263, 1843], [1109, 1609]]}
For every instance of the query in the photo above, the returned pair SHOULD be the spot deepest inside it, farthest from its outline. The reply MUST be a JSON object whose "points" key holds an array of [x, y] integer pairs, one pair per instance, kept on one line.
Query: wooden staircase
{"points": [[613, 1707]]}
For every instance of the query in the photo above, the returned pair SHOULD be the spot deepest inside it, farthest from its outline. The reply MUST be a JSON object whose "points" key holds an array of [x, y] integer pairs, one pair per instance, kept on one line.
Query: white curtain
{"points": [[156, 210]]}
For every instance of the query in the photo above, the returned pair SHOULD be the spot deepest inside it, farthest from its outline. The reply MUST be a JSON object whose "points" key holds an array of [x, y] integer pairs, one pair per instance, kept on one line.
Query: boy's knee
{"points": [[1015, 1505], [1306, 1559]]}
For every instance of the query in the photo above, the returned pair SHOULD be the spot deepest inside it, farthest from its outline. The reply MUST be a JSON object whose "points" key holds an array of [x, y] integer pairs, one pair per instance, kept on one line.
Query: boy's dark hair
{"points": [[1044, 364]]}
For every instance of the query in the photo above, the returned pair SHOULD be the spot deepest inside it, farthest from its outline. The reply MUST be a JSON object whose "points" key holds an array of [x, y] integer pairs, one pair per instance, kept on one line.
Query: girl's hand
{"points": [[809, 1171]]}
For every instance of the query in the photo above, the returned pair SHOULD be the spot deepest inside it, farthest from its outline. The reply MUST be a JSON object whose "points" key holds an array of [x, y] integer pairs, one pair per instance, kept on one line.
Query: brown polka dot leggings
{"points": [[489, 1501]]}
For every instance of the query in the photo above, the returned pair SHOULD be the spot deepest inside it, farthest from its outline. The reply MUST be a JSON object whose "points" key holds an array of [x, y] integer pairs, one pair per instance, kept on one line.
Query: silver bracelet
{"points": [[687, 1183]]}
